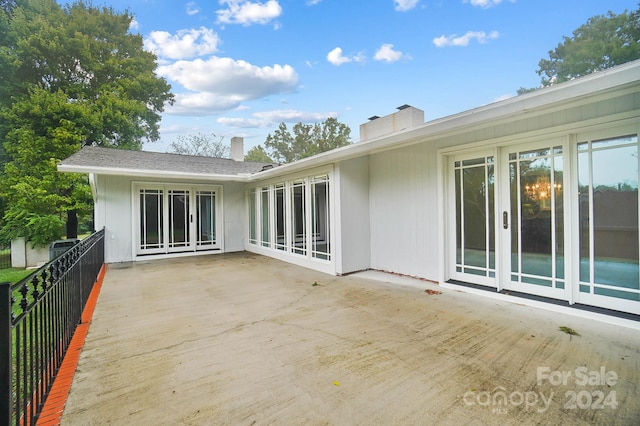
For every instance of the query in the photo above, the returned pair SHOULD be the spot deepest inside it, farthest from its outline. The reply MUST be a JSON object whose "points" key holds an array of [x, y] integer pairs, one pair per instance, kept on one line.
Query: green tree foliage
{"points": [[603, 42], [69, 77], [201, 145], [258, 154], [307, 140]]}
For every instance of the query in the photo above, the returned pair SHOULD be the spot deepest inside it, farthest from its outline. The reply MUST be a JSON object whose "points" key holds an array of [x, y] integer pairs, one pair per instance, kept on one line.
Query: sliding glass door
{"points": [[177, 219], [557, 218]]}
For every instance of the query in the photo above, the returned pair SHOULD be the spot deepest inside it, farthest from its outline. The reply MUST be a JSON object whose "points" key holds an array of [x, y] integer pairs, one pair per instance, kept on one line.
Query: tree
{"points": [[201, 145], [258, 154], [307, 140], [70, 77], [603, 42]]}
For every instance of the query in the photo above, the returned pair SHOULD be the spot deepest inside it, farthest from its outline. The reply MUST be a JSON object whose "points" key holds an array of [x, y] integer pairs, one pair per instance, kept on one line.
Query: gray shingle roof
{"points": [[125, 160]]}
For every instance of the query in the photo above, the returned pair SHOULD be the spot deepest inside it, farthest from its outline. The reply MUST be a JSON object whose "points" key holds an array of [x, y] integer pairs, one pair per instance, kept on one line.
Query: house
{"points": [[535, 195]]}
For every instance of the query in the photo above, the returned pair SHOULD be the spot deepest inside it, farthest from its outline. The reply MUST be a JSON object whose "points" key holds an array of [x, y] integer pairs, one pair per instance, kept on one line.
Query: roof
{"points": [[91, 159], [624, 77]]}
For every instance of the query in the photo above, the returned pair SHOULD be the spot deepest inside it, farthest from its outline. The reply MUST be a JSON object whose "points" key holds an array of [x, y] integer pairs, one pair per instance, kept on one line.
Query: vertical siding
{"points": [[404, 211], [233, 202], [113, 211], [353, 214]]}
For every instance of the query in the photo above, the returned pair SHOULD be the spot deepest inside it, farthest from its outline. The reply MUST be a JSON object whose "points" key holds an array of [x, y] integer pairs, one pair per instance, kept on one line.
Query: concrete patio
{"points": [[244, 339]]}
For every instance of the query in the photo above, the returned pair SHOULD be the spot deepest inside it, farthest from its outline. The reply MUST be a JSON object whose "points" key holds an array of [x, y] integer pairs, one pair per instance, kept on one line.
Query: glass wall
{"points": [[283, 213]]}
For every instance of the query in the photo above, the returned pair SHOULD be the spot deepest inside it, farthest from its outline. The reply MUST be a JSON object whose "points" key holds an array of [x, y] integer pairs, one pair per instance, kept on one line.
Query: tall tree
{"points": [[70, 77], [602, 42], [258, 155], [201, 145], [307, 140]]}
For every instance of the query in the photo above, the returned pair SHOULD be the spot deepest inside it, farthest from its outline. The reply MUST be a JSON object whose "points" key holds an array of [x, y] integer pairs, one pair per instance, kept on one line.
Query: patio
{"points": [[244, 339]]}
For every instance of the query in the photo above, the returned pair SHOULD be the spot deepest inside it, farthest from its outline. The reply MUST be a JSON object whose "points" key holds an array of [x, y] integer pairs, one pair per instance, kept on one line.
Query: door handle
{"points": [[505, 220]]}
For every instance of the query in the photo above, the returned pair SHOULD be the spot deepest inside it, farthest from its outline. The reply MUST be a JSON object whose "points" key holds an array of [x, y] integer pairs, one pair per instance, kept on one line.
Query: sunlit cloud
{"points": [[184, 44], [462, 41], [485, 4], [221, 84], [192, 8], [337, 58], [404, 5], [386, 53], [269, 118], [248, 12]]}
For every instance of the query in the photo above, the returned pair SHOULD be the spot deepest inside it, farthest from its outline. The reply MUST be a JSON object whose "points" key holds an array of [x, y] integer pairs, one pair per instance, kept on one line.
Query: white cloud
{"points": [[185, 44], [269, 118], [248, 12], [453, 40], [220, 84], [134, 24], [192, 8], [337, 58], [313, 2], [485, 4], [387, 54], [404, 5]]}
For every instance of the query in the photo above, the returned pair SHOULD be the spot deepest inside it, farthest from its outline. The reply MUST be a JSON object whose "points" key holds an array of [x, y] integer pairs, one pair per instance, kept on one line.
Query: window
{"points": [[608, 217], [283, 213]]}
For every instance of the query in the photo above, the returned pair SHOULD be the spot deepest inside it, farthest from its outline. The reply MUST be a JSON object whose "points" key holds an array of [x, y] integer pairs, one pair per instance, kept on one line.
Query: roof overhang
{"points": [[151, 174]]}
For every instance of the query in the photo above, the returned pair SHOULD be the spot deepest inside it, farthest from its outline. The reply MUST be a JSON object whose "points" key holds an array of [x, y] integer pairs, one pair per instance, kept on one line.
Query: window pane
{"points": [[264, 204], [252, 216], [280, 242], [608, 188], [320, 221], [298, 219], [151, 219], [206, 218]]}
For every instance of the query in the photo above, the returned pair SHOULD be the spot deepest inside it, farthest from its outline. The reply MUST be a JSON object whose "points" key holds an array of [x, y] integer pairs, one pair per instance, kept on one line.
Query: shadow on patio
{"points": [[244, 339]]}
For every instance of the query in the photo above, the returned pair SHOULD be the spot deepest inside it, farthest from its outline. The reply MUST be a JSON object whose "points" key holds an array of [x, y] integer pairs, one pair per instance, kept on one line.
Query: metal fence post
{"points": [[6, 395]]}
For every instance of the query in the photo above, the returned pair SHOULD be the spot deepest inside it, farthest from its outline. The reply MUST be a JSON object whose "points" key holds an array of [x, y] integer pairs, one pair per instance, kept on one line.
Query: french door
{"points": [[532, 230], [174, 219], [558, 219]]}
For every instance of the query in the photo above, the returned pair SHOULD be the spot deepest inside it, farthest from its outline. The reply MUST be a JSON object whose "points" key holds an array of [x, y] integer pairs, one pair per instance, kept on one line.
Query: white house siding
{"points": [[353, 251], [404, 211], [114, 211], [234, 213]]}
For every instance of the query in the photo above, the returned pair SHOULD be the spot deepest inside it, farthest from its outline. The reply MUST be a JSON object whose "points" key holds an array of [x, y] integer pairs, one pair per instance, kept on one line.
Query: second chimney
{"points": [[237, 148]]}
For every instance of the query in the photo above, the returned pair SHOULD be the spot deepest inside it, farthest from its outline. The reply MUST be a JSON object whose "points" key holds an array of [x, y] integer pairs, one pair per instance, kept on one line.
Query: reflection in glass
{"points": [[179, 218], [537, 217], [280, 242], [264, 204], [206, 218], [151, 222], [475, 217], [608, 217]]}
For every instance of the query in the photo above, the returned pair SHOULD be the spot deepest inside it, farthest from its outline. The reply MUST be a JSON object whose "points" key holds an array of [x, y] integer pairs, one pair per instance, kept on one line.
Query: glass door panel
{"points": [[179, 220], [608, 223], [535, 221], [151, 220], [474, 189], [206, 220]]}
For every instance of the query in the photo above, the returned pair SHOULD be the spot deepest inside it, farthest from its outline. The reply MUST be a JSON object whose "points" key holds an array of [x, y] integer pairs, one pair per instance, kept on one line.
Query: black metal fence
{"points": [[38, 317]]}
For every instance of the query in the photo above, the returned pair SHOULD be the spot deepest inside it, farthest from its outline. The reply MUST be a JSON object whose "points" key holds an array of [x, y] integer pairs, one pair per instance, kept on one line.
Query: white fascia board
{"points": [[151, 174], [619, 79]]}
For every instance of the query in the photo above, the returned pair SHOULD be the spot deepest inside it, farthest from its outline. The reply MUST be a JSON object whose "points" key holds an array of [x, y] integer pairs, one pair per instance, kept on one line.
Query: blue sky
{"points": [[240, 67]]}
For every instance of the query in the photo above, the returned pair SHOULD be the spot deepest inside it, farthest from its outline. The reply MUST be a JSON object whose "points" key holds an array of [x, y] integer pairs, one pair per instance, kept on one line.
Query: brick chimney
{"points": [[237, 148], [405, 118]]}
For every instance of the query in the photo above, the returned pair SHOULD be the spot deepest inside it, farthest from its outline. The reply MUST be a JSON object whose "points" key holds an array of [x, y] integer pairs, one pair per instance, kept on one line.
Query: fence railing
{"points": [[5, 256], [38, 317]]}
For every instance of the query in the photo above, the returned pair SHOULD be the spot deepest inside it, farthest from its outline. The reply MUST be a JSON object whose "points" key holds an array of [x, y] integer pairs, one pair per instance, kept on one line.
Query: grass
{"points": [[13, 275]]}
